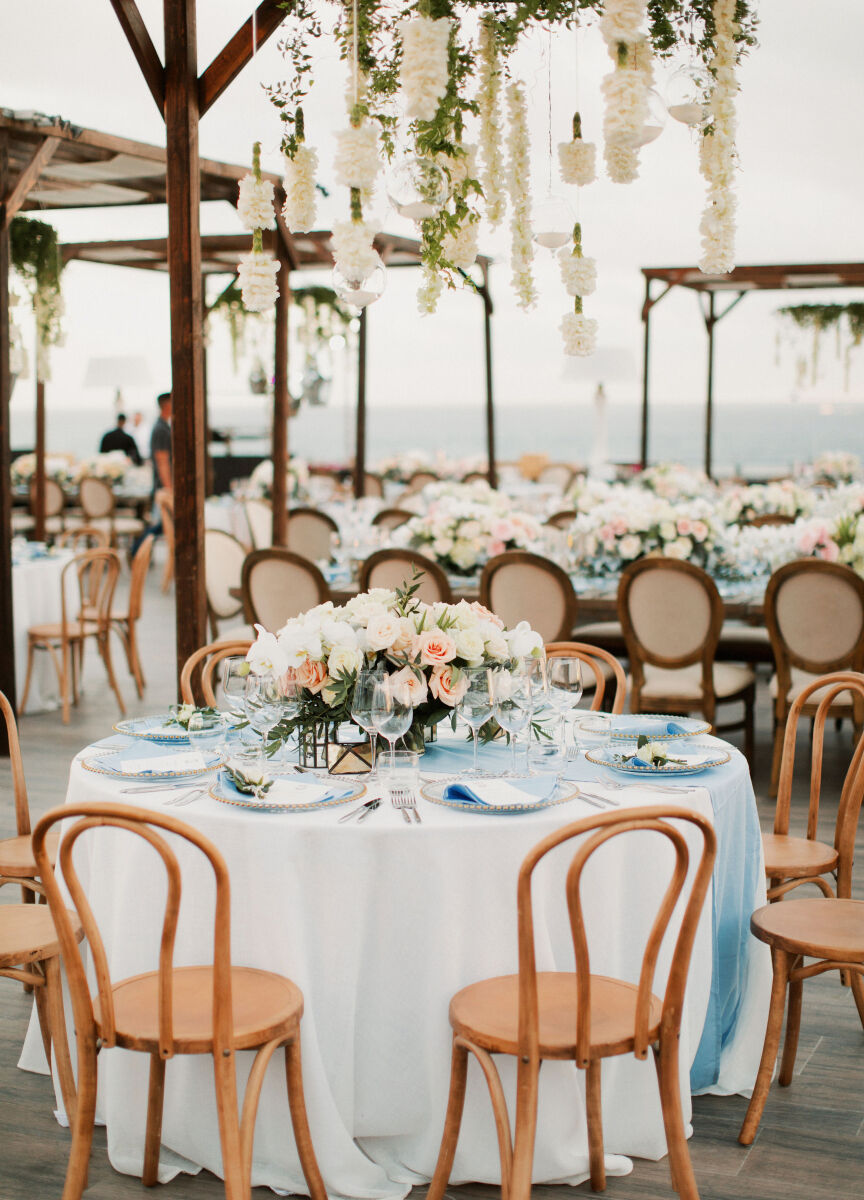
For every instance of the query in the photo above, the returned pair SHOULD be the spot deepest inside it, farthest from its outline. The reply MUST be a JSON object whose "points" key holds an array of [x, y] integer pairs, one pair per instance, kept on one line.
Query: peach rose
{"points": [[312, 676], [830, 551], [485, 615], [413, 683], [685, 526], [436, 647], [448, 684], [496, 548]]}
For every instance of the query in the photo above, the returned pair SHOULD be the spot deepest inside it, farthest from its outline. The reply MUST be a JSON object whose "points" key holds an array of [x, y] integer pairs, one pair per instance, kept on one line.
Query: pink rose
{"points": [[496, 548], [485, 615], [830, 551], [502, 530], [807, 541], [699, 530], [448, 684], [607, 534], [312, 675], [685, 526], [619, 526], [412, 683], [436, 647]]}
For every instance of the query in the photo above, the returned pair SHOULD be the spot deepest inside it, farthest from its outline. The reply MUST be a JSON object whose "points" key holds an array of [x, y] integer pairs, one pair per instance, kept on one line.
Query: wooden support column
{"points": [[710, 322], [646, 347], [360, 439], [7, 636], [39, 475], [492, 469], [187, 344], [281, 403]]}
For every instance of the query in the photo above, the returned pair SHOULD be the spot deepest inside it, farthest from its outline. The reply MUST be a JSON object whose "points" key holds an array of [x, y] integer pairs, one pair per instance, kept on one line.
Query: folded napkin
{"points": [[653, 727], [295, 791], [691, 760], [148, 758], [503, 793]]}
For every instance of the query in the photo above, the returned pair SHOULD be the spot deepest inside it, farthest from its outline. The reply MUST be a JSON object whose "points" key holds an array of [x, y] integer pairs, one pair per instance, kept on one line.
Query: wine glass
{"points": [[207, 733], [475, 707], [564, 679], [361, 707], [263, 703], [392, 713], [513, 705], [235, 672]]}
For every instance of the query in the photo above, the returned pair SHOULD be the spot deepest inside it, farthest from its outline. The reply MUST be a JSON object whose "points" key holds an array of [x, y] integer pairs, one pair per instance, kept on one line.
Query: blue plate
{"points": [[630, 727], [154, 729], [563, 792], [224, 790], [108, 762], [607, 756]]}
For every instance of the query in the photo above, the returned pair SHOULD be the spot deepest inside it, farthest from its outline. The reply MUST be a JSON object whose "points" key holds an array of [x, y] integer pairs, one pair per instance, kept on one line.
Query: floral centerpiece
{"points": [[112, 466], [24, 468], [426, 648], [618, 532], [784, 498], [836, 466], [748, 550], [674, 481], [261, 479]]}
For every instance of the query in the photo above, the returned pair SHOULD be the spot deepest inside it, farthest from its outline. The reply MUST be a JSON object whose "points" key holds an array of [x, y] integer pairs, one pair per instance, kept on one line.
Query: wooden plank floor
{"points": [[810, 1144]]}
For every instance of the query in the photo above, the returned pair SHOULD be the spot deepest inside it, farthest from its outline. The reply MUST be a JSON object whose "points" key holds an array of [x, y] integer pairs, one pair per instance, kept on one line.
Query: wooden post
{"points": [[646, 346], [187, 345], [39, 475], [7, 635], [279, 446], [710, 322], [492, 469], [360, 440]]}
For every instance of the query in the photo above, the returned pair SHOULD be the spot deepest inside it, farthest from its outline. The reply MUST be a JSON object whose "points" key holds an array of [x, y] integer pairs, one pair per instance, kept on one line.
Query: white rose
{"points": [[524, 641], [338, 633], [630, 546], [266, 656], [668, 531], [344, 660], [383, 630], [680, 548], [469, 645], [442, 546], [464, 555]]}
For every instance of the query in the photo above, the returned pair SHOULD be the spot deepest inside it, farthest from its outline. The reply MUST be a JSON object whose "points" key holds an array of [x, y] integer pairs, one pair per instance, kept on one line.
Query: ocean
{"points": [[749, 439]]}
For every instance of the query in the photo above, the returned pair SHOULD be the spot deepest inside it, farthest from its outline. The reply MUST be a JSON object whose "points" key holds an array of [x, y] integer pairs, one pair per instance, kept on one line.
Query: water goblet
{"points": [[263, 703], [564, 691], [475, 707], [513, 706], [361, 708], [207, 733], [392, 713], [234, 673]]}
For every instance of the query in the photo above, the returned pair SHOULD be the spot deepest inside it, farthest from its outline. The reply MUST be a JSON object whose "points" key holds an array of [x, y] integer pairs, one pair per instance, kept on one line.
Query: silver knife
{"points": [[370, 808], [363, 808]]}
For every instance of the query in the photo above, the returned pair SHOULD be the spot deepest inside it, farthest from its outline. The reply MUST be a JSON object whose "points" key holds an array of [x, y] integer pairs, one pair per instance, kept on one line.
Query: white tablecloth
{"points": [[35, 600], [380, 924]]}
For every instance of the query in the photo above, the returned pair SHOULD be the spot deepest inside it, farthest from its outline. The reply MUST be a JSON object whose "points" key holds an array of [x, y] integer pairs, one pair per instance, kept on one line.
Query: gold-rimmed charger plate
{"points": [[98, 765], [564, 791], [226, 793]]}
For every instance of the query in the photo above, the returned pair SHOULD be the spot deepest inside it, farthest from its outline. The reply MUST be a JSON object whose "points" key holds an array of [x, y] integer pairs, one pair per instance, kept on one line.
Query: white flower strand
{"points": [[578, 159], [489, 103], [255, 203], [299, 186], [622, 20], [578, 273], [257, 277], [717, 152], [460, 248], [626, 91], [429, 291], [622, 163], [356, 162], [579, 333], [354, 254], [425, 70], [519, 186]]}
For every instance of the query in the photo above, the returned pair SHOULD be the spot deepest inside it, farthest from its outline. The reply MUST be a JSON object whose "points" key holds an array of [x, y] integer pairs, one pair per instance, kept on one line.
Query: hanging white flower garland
{"points": [[354, 254], [299, 182], [717, 155], [460, 248], [489, 102], [256, 271], [580, 279], [424, 72], [519, 186], [356, 162], [578, 159]]}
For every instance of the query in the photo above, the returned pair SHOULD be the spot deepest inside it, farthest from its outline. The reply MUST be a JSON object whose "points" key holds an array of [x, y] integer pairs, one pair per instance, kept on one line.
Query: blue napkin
{"points": [[539, 787], [649, 726]]}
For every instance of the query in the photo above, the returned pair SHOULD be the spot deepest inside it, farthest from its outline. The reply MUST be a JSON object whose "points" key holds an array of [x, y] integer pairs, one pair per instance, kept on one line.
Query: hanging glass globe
{"points": [[654, 122], [361, 292], [552, 222], [687, 95], [417, 188]]}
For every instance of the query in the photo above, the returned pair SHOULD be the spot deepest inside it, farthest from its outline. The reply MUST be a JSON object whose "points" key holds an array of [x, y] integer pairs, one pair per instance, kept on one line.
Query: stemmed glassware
{"points": [[513, 705], [235, 672], [564, 686], [361, 708], [207, 732], [392, 713], [263, 703], [475, 707]]}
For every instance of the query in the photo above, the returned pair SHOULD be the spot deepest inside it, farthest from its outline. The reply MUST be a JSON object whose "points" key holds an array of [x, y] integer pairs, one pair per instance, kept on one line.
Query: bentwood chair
{"points": [[563, 519], [96, 499], [792, 861], [55, 505], [579, 1016], [224, 556], [814, 612], [216, 1009], [671, 615], [84, 537], [278, 584], [165, 505], [311, 533], [519, 586], [124, 621], [418, 480], [827, 929], [17, 863], [373, 485], [604, 667], [396, 567], [209, 659], [96, 572], [559, 475], [763, 519], [392, 518], [476, 476], [259, 518]]}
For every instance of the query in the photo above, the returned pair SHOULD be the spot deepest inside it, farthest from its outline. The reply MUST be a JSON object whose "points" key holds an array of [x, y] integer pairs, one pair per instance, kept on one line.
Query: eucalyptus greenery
{"points": [[34, 253], [819, 318]]}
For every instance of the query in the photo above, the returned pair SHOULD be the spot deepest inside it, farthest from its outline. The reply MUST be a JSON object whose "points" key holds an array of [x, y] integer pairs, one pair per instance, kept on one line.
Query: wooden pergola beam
{"points": [[234, 56], [138, 37], [27, 178], [7, 632]]}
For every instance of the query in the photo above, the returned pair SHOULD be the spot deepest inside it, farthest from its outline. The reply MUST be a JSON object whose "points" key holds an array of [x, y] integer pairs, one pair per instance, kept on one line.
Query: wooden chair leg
{"points": [[594, 1114], [527, 1081], [82, 1126], [42, 1013], [134, 660], [769, 1050], [64, 684], [229, 1127], [153, 1135], [793, 1025], [749, 730], [300, 1122], [57, 1024], [22, 704], [251, 1096], [857, 984], [105, 651], [668, 1079], [452, 1122], [777, 755]]}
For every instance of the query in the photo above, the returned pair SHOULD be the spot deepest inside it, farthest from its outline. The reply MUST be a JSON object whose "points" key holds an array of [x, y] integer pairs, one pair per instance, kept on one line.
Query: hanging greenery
{"points": [[846, 319], [230, 307], [34, 252]]}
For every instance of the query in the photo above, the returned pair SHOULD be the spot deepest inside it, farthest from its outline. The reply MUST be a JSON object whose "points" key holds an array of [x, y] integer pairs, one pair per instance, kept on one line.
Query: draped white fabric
{"points": [[35, 601]]}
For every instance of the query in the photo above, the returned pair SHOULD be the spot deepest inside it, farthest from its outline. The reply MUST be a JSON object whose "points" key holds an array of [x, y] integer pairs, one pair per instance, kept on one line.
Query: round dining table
{"points": [[380, 923], [36, 600]]}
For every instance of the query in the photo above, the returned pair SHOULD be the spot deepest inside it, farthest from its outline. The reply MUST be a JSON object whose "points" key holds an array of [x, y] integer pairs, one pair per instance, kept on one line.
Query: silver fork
{"points": [[403, 799], [184, 798], [615, 786]]}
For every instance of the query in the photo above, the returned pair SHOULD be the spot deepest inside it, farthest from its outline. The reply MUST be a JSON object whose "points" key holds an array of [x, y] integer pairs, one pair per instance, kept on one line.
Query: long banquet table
{"points": [[380, 924]]}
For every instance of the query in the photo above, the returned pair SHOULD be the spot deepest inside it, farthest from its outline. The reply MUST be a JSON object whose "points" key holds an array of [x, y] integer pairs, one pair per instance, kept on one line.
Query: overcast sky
{"points": [[800, 192]]}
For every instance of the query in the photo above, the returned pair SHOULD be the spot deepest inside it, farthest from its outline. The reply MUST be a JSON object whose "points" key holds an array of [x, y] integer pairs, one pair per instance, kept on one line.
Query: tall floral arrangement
{"points": [[463, 534]]}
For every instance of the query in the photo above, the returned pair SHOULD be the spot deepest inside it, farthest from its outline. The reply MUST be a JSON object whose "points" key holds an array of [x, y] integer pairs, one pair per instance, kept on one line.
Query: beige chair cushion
{"points": [[800, 680], [588, 633], [819, 616], [237, 633], [670, 612], [685, 683], [736, 631]]}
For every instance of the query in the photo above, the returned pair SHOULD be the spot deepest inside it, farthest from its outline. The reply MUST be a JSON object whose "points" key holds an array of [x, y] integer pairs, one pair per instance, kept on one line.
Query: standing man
{"points": [[119, 439], [160, 445]]}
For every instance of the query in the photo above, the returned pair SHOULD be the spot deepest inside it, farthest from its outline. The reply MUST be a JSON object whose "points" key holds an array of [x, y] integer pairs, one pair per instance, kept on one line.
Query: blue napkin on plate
{"points": [[649, 726], [523, 791]]}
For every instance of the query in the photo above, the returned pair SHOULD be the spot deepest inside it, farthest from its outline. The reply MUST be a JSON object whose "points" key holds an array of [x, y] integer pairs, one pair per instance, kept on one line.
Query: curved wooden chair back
{"points": [[150, 825], [476, 477], [597, 832], [278, 584], [595, 657], [563, 519], [311, 533], [395, 567], [373, 485], [138, 577], [259, 518], [165, 505], [558, 475], [96, 498], [84, 537], [19, 785], [55, 498], [824, 691], [519, 586], [758, 522], [417, 480], [211, 657], [224, 556], [814, 612], [97, 572], [392, 518]]}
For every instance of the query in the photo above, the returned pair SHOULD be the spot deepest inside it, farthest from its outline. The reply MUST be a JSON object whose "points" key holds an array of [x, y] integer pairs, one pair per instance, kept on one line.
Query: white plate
{"points": [[154, 729], [607, 756], [604, 723], [108, 763], [225, 791], [564, 791]]}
